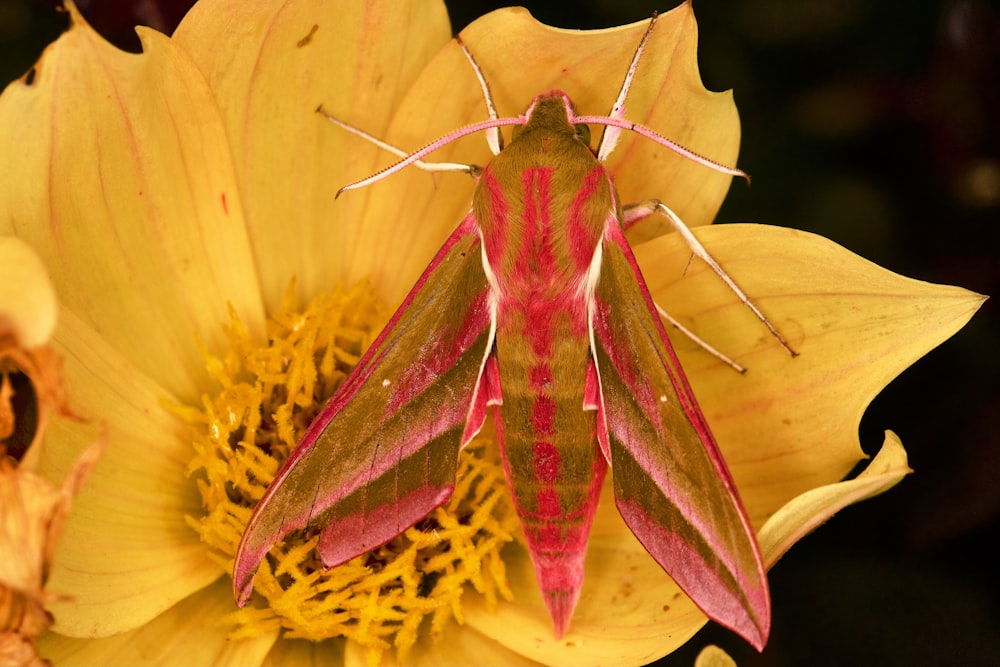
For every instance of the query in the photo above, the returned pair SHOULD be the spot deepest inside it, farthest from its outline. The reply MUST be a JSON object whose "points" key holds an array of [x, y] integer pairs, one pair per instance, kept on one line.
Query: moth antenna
{"points": [[398, 152], [415, 156], [663, 141], [614, 123], [493, 136], [609, 139]]}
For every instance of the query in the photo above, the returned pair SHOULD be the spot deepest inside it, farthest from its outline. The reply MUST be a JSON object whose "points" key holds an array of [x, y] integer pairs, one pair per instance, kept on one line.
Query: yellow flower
{"points": [[163, 188]]}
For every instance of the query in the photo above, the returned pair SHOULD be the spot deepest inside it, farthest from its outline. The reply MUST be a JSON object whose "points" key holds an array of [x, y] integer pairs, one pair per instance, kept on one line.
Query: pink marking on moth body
{"points": [[546, 462], [548, 508], [495, 238], [551, 455], [543, 415], [540, 377], [536, 258], [580, 229]]}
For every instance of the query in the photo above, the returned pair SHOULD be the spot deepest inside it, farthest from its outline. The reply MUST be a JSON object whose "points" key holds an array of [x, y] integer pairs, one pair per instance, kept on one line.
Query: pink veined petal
{"points": [[118, 173], [270, 64]]}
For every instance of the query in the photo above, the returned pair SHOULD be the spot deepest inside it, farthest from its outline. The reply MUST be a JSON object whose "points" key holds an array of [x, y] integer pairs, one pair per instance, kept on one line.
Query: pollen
{"points": [[409, 589]]}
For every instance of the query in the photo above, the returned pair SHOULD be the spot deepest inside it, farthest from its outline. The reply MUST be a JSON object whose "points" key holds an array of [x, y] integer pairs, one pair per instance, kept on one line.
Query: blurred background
{"points": [[876, 124]]}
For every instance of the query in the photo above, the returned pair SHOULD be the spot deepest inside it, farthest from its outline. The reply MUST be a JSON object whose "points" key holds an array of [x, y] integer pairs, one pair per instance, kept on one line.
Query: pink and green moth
{"points": [[534, 308]]}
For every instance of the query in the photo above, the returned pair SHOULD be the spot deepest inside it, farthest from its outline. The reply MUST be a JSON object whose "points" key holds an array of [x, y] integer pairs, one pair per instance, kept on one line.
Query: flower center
{"points": [[269, 393]]}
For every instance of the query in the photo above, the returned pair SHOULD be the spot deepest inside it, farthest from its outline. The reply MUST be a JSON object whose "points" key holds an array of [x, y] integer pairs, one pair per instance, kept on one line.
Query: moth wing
{"points": [[671, 484], [383, 452]]}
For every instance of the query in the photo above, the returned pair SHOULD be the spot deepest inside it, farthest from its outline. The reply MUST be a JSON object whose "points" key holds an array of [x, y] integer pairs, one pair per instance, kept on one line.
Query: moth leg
{"points": [[493, 136], [472, 169], [700, 342], [633, 213]]}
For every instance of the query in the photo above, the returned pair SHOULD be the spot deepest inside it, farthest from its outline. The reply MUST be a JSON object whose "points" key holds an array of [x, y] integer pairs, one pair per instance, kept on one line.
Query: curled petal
{"points": [[23, 423], [803, 514], [28, 310], [27, 299]]}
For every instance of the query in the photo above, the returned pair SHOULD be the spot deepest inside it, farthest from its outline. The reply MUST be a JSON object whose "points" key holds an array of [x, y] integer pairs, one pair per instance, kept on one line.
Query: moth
{"points": [[535, 309]]}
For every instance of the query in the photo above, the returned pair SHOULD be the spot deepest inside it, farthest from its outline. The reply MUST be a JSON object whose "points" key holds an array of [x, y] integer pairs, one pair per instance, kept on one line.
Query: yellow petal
{"points": [[270, 64], [126, 554], [27, 299], [460, 646], [410, 214], [117, 170], [305, 653], [805, 513], [186, 634], [713, 656], [790, 425]]}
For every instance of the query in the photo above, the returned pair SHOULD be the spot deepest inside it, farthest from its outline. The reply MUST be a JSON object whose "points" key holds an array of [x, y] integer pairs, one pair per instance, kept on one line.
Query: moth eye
{"points": [[515, 132], [583, 133]]}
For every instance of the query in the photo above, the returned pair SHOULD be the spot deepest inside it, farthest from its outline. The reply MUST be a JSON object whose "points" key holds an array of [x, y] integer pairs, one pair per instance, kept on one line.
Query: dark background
{"points": [[876, 125]]}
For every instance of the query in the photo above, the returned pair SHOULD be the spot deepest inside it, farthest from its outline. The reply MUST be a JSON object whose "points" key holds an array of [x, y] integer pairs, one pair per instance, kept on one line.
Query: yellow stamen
{"points": [[269, 393]]}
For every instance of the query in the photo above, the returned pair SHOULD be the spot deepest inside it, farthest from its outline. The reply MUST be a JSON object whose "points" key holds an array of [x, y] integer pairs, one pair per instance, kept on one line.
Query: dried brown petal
{"points": [[32, 512]]}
